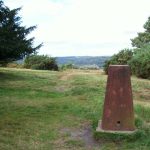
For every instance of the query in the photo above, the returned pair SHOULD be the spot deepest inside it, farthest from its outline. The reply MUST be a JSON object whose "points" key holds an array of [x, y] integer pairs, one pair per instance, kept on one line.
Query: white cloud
{"points": [[83, 27]]}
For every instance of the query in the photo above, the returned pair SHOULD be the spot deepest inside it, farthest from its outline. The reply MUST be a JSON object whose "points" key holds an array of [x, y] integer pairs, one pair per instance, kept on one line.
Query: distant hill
{"points": [[83, 60], [80, 61]]}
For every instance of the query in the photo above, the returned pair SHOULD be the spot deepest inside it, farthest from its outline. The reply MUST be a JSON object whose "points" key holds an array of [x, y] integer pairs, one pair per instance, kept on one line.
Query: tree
{"points": [[143, 38], [14, 44], [40, 62], [140, 62], [122, 58]]}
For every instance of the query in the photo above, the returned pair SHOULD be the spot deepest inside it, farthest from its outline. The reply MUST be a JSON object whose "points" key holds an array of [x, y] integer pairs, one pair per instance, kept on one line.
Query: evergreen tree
{"points": [[14, 44]]}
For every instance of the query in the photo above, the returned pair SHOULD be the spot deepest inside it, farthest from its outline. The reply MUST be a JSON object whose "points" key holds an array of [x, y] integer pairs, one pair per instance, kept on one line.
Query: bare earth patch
{"points": [[84, 135]]}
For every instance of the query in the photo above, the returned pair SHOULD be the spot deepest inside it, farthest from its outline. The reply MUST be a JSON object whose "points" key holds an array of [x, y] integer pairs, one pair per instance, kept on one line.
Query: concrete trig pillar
{"points": [[118, 114]]}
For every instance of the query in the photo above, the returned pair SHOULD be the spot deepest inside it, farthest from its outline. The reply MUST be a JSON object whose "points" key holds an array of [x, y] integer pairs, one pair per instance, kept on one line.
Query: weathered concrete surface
{"points": [[118, 114]]}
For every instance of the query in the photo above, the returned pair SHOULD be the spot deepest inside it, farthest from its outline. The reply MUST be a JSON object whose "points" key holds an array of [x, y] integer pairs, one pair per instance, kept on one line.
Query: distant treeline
{"points": [[80, 61]]}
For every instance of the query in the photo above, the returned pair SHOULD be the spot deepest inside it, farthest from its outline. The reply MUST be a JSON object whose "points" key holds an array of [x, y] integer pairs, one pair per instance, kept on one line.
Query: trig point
{"points": [[118, 114]]}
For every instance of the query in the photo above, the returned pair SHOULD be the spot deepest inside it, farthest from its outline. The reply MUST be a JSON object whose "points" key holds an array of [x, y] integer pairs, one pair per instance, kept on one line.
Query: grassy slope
{"points": [[50, 110]]}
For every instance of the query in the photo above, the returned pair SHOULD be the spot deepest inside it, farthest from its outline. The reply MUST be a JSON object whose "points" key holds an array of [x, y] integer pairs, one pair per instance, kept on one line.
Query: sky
{"points": [[83, 27]]}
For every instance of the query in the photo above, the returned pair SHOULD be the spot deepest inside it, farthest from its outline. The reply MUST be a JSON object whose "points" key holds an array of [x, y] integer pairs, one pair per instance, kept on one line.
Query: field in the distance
{"points": [[43, 110]]}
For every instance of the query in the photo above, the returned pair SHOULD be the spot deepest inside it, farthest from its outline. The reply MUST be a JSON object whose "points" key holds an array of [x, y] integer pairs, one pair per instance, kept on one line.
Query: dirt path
{"points": [[66, 75], [85, 135]]}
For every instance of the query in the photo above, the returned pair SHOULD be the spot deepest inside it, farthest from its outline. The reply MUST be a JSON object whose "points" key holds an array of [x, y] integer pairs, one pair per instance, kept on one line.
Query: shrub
{"points": [[67, 66], [121, 58], [14, 65], [140, 63], [40, 62]]}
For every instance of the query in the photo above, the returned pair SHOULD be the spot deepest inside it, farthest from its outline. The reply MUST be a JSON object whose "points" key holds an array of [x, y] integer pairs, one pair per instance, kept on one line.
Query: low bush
{"points": [[67, 66], [122, 58], [40, 62], [14, 65]]}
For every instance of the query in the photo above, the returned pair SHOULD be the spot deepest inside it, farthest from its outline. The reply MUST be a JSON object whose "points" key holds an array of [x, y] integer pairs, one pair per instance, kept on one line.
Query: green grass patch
{"points": [[37, 106]]}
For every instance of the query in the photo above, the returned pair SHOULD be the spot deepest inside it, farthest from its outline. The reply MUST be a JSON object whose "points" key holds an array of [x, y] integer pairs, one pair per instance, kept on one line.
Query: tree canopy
{"points": [[138, 58], [120, 58], [14, 43], [140, 63], [143, 38]]}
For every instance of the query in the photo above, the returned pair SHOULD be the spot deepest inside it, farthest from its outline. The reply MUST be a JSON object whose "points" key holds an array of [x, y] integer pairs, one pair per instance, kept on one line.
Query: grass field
{"points": [[44, 110]]}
